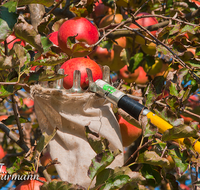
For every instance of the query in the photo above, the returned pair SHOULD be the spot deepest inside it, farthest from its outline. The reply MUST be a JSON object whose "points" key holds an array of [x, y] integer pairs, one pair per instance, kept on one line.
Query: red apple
{"points": [[2, 171], [144, 22], [193, 101], [45, 159], [53, 37], [184, 187], [127, 76], [11, 39], [2, 152], [129, 132], [30, 184], [84, 32], [29, 103], [100, 9], [142, 78], [107, 20], [115, 58], [80, 64], [196, 2]]}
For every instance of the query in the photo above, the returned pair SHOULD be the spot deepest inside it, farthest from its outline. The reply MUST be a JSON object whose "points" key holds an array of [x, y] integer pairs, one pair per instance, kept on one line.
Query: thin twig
{"points": [[15, 110], [56, 6], [145, 144], [13, 137]]}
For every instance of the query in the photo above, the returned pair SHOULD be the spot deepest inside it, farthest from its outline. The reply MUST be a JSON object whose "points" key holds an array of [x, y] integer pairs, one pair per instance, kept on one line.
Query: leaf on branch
{"points": [[12, 121], [152, 158], [60, 185], [181, 131], [173, 89], [98, 144], [44, 140], [180, 159], [46, 3], [80, 12], [8, 18], [108, 44], [175, 29], [43, 26], [135, 62], [150, 95], [26, 32], [50, 61], [173, 103], [100, 162]]}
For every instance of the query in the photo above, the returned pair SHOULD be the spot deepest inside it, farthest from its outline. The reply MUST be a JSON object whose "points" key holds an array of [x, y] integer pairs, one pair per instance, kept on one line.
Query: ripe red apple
{"points": [[53, 37], [11, 39], [100, 9], [29, 103], [85, 34], [2, 152], [30, 184], [184, 187], [107, 20], [45, 159], [142, 78], [144, 22], [196, 2], [129, 132], [193, 101], [127, 76], [2, 171], [80, 63]]}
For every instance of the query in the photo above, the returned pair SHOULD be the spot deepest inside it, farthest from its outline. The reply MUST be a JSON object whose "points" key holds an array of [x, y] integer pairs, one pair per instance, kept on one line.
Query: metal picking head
{"points": [[76, 83]]}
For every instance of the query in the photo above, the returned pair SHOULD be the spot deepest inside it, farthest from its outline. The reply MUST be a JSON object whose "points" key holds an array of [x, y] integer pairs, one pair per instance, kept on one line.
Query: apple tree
{"points": [[152, 49]]}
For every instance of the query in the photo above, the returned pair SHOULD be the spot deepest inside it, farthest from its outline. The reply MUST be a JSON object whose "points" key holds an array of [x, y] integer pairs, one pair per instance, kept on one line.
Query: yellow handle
{"points": [[164, 125]]}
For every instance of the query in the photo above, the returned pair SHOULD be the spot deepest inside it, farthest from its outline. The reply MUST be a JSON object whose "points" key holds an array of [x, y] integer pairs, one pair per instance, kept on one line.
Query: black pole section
{"points": [[130, 106]]}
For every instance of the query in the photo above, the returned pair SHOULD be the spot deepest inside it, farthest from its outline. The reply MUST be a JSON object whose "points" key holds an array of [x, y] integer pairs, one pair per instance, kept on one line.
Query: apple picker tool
{"points": [[121, 100], [132, 107]]}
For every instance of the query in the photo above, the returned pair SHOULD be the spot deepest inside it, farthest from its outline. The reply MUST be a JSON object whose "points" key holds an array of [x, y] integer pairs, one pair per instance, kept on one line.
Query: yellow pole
{"points": [[164, 125]]}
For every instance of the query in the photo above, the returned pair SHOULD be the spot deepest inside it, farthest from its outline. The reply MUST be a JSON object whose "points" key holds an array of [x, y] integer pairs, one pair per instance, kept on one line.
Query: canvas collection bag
{"points": [[70, 113]]}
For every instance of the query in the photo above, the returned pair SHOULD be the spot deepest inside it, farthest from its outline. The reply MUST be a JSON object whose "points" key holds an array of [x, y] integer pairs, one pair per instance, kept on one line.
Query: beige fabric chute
{"points": [[70, 113]]}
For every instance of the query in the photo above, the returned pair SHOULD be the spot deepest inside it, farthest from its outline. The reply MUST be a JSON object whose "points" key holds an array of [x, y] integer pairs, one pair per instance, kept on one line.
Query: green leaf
{"points": [[152, 174], [186, 93], [46, 3], [175, 29], [152, 158], [116, 182], [180, 159], [150, 95], [150, 60], [46, 44], [12, 121], [7, 21], [188, 28], [6, 90], [108, 44], [158, 83], [103, 176], [26, 32], [98, 144], [100, 162], [135, 62], [50, 61], [11, 5], [173, 103], [60, 185], [80, 12], [181, 131], [43, 26], [44, 140], [81, 46], [173, 89]]}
